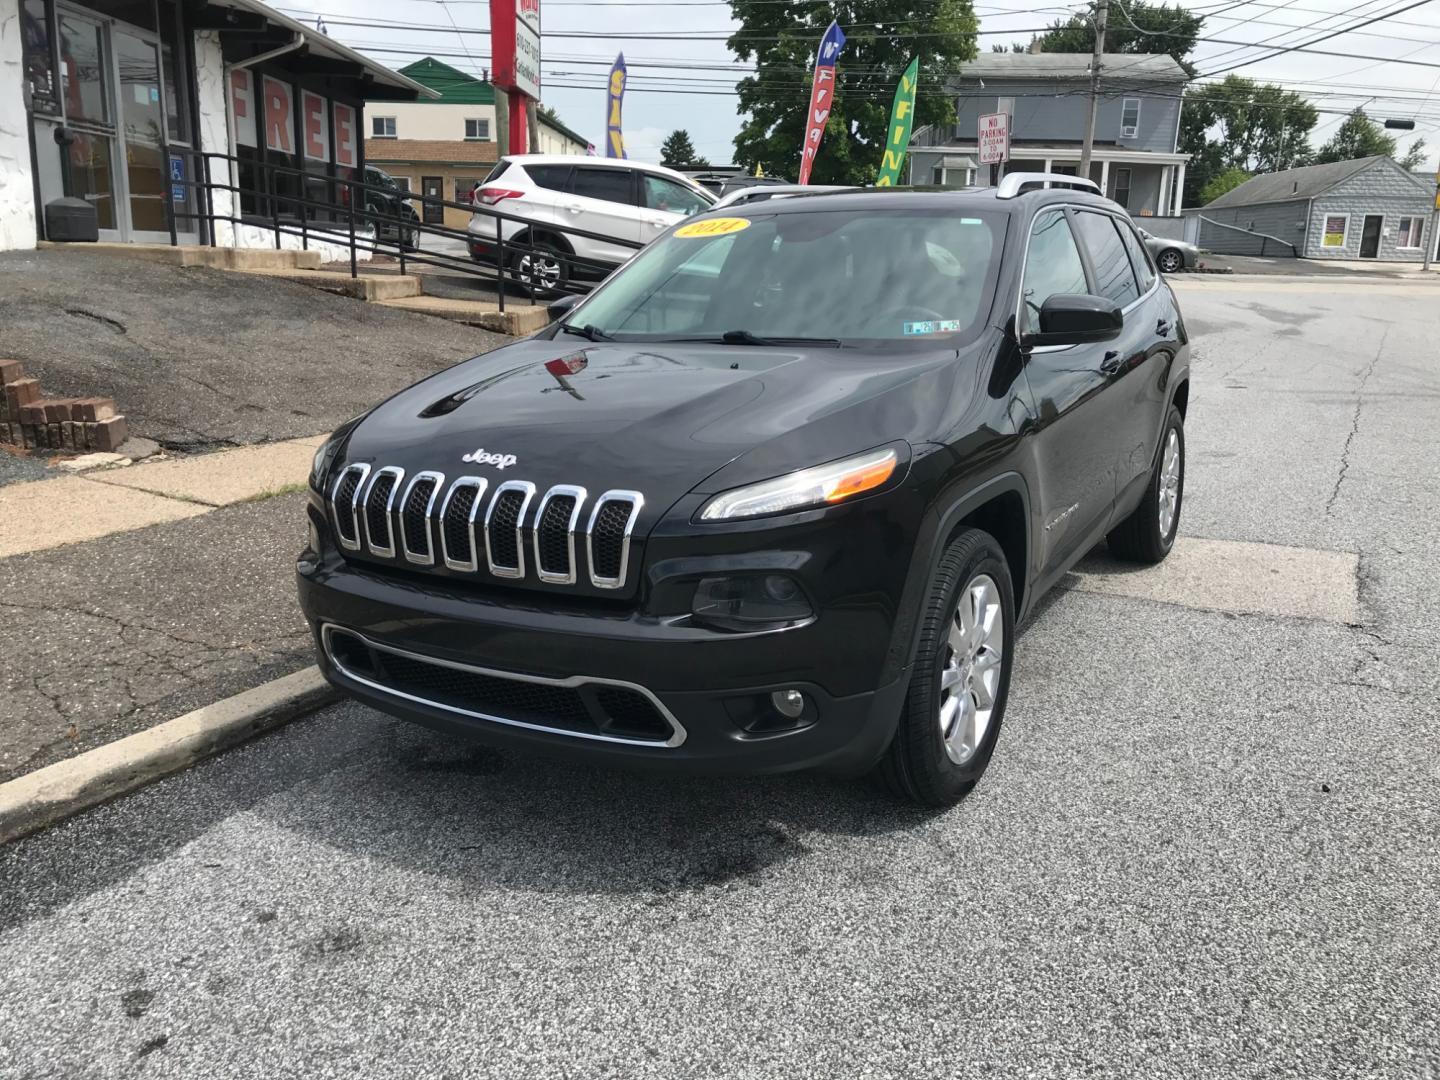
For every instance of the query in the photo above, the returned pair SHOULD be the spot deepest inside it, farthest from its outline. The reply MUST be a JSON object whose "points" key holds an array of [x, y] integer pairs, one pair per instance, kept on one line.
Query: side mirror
{"points": [[1076, 319], [558, 308]]}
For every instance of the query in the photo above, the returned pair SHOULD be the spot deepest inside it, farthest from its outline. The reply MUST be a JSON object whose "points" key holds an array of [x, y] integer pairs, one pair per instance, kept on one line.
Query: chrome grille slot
{"points": [[457, 523], [344, 501], [555, 534], [417, 509], [380, 511], [427, 521], [504, 525], [607, 537]]}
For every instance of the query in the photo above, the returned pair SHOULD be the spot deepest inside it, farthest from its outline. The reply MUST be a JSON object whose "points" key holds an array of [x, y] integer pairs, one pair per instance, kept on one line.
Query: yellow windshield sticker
{"points": [[719, 226]]}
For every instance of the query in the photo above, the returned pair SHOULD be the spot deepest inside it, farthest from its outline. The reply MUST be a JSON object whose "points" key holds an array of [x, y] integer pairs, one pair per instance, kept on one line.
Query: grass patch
{"points": [[270, 493]]}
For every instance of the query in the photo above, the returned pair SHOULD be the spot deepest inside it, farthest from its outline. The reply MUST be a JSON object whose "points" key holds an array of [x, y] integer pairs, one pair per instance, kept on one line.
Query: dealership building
{"points": [[129, 105]]}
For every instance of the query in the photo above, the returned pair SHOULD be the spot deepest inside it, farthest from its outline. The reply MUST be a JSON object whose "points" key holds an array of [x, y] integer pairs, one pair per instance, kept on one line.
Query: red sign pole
{"points": [[515, 70]]}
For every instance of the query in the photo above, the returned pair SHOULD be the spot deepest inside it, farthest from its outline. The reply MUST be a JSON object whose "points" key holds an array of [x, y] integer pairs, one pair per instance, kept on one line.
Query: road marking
{"points": [[1238, 577]]}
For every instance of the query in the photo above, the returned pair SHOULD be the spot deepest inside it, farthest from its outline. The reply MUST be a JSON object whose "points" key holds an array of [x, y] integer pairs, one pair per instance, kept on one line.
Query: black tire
{"points": [[1139, 538], [547, 255], [916, 766], [1170, 261]]}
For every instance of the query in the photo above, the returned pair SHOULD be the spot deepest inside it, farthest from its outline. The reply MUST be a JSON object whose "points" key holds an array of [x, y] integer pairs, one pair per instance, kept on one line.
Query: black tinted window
{"points": [[1113, 276], [611, 185], [1139, 257], [1052, 265], [553, 177]]}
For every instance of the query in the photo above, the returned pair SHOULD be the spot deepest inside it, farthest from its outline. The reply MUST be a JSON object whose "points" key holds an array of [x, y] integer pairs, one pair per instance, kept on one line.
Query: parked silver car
{"points": [[1171, 256]]}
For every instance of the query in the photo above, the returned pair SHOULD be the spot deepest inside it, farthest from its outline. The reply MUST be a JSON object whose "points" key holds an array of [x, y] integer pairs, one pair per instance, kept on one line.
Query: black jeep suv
{"points": [[773, 497]]}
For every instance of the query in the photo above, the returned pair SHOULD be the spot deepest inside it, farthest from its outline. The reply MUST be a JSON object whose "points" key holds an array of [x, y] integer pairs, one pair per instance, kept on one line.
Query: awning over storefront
{"points": [[249, 28]]}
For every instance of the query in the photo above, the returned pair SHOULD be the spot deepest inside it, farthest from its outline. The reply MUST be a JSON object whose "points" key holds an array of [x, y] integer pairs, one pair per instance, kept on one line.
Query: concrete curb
{"points": [[58, 791]]}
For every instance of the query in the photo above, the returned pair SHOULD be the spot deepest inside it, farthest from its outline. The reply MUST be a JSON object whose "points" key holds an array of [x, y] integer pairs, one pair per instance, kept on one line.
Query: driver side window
{"points": [[662, 194], [1052, 265]]}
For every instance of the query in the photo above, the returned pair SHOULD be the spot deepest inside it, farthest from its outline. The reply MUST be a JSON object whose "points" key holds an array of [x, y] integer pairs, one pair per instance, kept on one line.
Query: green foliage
{"points": [[1226, 181], [880, 44], [1415, 156], [678, 152], [1241, 124], [1137, 27], [1357, 137]]}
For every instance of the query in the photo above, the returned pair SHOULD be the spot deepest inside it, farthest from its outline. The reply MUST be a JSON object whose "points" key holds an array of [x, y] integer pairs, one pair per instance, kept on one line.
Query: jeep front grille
{"points": [[467, 526], [604, 710]]}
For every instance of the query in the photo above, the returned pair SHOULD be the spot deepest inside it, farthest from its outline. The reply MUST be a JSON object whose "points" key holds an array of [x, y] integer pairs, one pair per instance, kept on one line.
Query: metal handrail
{"points": [[1294, 251], [309, 217]]}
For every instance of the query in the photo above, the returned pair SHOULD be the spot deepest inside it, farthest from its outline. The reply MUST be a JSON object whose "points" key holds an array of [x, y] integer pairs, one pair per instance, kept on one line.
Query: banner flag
{"points": [[614, 140], [822, 94], [902, 119]]}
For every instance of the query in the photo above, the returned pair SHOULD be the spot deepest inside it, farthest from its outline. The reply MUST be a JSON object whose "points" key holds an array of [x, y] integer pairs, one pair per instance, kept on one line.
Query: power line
{"points": [[1306, 46]]}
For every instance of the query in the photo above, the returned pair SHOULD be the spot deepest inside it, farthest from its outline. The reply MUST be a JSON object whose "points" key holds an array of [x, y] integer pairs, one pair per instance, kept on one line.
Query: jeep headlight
{"points": [[321, 464], [820, 486]]}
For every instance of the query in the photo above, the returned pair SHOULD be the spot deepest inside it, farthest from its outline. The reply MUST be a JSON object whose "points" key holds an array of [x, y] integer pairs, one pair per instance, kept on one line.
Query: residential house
{"points": [[1135, 159], [445, 145], [1367, 208]]}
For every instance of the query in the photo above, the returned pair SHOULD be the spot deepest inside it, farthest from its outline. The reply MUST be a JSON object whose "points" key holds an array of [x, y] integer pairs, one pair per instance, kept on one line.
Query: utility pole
{"points": [[1102, 12]]}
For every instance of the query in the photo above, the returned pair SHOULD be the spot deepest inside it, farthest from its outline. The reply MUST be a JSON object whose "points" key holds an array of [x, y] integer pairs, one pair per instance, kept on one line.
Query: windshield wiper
{"points": [[745, 337], [589, 330]]}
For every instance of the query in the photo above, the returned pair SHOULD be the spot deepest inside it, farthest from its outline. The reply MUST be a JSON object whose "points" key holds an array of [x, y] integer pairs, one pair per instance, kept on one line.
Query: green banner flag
{"points": [[902, 117]]}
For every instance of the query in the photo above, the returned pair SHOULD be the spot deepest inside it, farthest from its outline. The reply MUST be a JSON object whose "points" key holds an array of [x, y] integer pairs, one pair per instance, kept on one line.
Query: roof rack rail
{"points": [[1012, 184]]}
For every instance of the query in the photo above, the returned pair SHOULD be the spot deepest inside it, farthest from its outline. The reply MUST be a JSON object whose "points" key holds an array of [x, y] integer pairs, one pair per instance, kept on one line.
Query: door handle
{"points": [[574, 208], [659, 223], [1112, 363], [1162, 328]]}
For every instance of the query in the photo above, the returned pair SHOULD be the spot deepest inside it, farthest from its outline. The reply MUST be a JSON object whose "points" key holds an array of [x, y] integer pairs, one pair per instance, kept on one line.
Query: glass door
{"points": [[89, 112], [142, 119]]}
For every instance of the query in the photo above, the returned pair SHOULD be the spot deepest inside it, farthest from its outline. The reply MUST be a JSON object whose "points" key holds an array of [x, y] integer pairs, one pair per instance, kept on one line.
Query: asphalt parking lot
{"points": [[1209, 844]]}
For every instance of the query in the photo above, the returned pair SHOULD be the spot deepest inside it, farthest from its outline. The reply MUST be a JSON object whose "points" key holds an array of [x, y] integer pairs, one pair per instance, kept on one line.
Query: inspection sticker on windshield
{"points": [[719, 226], [942, 326]]}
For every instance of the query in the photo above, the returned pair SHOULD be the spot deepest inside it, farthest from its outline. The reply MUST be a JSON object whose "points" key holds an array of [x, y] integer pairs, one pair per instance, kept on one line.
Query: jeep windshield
{"points": [[823, 277]]}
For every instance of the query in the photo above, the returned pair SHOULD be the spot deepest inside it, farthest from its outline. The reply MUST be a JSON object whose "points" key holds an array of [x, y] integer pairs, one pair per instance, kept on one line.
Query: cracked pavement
{"points": [[1207, 845], [111, 636], [199, 359]]}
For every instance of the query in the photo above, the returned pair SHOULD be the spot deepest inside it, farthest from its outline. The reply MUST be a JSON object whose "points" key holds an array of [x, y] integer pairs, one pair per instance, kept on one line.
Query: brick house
{"points": [[1367, 208], [1135, 160]]}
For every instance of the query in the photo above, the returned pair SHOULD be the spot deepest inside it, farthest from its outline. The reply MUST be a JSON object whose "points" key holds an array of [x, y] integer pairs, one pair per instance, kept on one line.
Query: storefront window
{"points": [[39, 61], [83, 71], [88, 160]]}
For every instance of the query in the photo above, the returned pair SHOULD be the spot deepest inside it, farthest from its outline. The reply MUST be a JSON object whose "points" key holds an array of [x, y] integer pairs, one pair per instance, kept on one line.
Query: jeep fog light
{"points": [[752, 602], [788, 703]]}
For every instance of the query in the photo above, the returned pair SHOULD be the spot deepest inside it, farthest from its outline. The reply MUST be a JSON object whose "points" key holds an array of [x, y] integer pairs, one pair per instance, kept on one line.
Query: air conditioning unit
{"points": [[1129, 132]]}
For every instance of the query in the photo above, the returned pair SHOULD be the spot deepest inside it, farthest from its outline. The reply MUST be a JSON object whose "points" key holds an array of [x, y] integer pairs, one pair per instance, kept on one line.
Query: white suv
{"points": [[627, 200]]}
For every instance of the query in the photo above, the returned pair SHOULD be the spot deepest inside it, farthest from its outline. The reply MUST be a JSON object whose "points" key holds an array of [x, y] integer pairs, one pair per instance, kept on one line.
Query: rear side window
{"points": [[1139, 257], [1052, 265], [497, 171], [1114, 278], [554, 177], [608, 185]]}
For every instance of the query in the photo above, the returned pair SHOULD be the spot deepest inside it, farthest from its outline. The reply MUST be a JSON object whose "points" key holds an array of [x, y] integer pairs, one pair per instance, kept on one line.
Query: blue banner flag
{"points": [[614, 140]]}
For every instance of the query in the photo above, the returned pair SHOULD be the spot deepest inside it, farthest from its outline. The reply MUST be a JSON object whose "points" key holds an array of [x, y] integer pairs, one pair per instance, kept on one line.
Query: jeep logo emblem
{"points": [[480, 457]]}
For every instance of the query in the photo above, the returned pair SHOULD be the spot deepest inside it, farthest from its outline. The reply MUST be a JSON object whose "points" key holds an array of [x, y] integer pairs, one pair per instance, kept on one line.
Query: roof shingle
{"points": [[1292, 185]]}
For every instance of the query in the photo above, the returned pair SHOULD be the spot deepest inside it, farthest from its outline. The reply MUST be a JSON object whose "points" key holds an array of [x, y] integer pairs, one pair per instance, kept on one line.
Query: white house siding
{"points": [[429, 120], [17, 182], [1384, 189]]}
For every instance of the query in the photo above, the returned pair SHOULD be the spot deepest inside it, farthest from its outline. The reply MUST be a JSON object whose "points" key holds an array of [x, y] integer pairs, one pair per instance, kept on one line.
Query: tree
{"points": [[1226, 181], [1415, 156], [1357, 137], [882, 38], [1241, 124], [678, 152], [1137, 27]]}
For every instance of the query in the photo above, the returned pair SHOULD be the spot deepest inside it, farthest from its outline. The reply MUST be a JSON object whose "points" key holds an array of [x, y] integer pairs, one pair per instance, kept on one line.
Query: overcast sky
{"points": [[711, 119]]}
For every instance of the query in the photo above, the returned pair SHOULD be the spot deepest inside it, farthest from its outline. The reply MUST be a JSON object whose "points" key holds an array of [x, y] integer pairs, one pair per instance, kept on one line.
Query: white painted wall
{"points": [[415, 121], [17, 184], [447, 123]]}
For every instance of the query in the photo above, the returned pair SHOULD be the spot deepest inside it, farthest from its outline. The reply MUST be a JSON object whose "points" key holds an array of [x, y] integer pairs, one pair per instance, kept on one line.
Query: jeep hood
{"points": [[659, 418]]}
